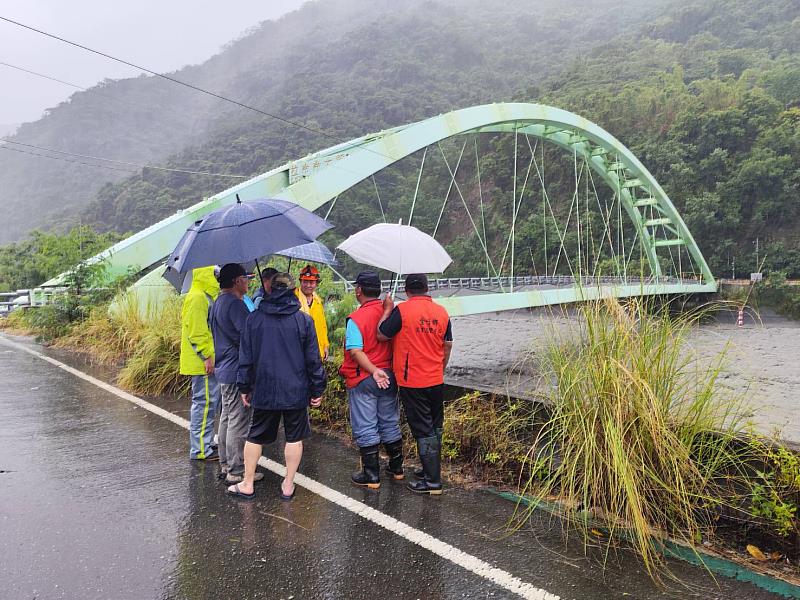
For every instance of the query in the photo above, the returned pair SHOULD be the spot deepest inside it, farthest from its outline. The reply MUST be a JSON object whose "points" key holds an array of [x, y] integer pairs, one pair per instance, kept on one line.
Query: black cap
{"points": [[229, 273], [368, 279], [417, 282]]}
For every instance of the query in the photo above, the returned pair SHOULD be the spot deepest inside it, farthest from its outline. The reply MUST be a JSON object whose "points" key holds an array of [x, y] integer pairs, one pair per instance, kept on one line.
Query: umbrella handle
{"points": [[260, 279], [396, 283]]}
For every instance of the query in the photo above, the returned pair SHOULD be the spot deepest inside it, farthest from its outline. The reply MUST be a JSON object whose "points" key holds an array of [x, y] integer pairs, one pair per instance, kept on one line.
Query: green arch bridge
{"points": [[631, 213]]}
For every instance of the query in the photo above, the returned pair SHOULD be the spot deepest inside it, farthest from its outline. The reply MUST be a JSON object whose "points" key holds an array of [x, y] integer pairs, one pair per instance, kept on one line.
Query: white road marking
{"points": [[466, 561]]}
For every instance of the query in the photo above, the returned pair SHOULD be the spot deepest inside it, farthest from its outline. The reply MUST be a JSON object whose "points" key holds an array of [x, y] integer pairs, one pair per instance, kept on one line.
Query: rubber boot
{"points": [[430, 456], [419, 473], [370, 473], [395, 466]]}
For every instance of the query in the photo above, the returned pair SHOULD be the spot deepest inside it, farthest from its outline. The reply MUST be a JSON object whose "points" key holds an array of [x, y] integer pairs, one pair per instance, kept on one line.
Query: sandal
{"points": [[235, 491]]}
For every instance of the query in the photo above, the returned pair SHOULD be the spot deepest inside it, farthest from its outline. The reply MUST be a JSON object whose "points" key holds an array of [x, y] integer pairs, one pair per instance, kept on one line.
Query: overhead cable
{"points": [[93, 90], [66, 160], [169, 78], [122, 162]]}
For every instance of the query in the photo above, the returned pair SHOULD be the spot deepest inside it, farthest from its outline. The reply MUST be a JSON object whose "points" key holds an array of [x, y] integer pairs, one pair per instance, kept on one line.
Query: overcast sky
{"points": [[162, 35]]}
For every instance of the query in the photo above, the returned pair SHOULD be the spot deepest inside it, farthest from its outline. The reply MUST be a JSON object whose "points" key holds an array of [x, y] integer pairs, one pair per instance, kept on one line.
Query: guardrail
{"points": [[27, 298], [505, 283]]}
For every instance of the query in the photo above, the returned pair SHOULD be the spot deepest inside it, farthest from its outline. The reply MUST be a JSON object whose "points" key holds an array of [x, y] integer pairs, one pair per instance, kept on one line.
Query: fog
{"points": [[162, 36]]}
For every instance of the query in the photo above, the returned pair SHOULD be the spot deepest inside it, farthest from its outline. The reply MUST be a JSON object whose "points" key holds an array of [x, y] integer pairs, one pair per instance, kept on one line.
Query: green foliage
{"points": [[776, 490], [776, 293], [639, 433], [29, 263]]}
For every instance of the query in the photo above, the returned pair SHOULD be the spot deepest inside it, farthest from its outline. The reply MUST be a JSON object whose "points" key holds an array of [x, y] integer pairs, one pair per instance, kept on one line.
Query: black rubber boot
{"points": [[370, 473], [395, 466], [430, 456], [419, 473]]}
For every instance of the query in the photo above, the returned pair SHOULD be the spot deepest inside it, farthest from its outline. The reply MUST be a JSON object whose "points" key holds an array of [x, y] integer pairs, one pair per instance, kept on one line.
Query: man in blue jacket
{"points": [[228, 316], [280, 375]]}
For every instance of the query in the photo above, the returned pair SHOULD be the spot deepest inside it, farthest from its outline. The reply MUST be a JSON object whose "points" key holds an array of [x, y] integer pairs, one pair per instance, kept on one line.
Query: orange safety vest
{"points": [[419, 346], [379, 353]]}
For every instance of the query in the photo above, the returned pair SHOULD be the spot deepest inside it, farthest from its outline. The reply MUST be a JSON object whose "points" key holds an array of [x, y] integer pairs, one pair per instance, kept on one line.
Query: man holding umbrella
{"points": [[197, 360], [422, 341], [228, 316]]}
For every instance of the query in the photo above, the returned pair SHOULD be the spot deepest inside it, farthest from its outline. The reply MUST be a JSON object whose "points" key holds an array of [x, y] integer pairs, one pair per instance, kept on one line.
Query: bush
{"points": [[638, 434], [776, 293], [776, 488]]}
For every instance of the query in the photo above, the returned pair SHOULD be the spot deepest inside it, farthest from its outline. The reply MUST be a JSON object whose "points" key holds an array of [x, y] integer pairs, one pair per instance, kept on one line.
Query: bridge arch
{"points": [[322, 176]]}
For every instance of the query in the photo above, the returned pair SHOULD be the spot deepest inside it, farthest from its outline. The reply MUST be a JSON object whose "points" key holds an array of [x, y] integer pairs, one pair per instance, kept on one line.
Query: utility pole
{"points": [[756, 242], [733, 268]]}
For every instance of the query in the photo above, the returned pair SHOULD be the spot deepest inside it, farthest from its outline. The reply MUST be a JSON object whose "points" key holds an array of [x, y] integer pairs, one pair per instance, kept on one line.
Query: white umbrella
{"points": [[402, 249]]}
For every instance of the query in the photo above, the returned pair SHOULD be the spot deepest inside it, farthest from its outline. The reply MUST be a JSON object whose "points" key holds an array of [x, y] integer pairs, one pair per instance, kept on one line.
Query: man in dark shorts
{"points": [[280, 374], [422, 340]]}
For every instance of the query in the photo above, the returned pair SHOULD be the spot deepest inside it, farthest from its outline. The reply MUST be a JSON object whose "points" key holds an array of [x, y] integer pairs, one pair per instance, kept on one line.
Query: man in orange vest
{"points": [[371, 386], [422, 341]]}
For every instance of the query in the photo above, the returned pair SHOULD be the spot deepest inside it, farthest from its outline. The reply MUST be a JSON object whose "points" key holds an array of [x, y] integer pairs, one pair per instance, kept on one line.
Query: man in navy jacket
{"points": [[280, 375]]}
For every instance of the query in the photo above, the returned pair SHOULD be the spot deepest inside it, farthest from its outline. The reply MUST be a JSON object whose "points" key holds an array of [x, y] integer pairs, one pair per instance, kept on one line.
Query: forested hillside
{"points": [[706, 93]]}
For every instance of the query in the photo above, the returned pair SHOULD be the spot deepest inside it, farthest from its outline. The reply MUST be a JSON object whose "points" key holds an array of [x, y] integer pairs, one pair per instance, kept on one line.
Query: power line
{"points": [[66, 160], [172, 79], [23, 69], [122, 162], [92, 90]]}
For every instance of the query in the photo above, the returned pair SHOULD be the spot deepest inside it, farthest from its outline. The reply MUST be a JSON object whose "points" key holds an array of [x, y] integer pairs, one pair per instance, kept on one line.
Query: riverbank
{"points": [[500, 353]]}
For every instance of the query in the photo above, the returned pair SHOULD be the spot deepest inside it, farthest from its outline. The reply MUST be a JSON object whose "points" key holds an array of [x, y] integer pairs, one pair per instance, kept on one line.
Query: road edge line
{"points": [[434, 545]]}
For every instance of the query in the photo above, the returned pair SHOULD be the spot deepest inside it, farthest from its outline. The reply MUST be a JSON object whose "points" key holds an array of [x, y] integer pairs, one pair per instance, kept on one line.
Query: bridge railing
{"points": [[505, 283]]}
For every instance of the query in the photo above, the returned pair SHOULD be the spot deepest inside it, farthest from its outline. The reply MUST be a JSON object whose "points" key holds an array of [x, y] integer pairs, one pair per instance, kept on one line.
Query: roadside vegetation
{"points": [[639, 437], [632, 435]]}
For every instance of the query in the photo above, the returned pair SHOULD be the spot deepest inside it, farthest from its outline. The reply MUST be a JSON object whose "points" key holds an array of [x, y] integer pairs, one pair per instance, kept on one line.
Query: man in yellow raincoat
{"points": [[311, 304], [197, 360]]}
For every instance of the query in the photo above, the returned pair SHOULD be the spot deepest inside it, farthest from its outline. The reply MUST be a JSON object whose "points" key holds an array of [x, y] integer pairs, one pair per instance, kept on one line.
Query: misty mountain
{"points": [[350, 66], [706, 93], [8, 128]]}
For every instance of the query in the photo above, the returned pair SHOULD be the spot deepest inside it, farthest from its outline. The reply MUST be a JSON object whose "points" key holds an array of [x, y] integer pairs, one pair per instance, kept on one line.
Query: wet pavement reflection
{"points": [[99, 500]]}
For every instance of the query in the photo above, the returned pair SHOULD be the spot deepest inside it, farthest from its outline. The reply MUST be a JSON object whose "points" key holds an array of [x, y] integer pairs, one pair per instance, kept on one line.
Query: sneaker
{"points": [[209, 458]]}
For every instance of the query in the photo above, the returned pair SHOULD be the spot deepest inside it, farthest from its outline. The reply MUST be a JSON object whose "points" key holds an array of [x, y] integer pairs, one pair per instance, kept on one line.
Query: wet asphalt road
{"points": [[99, 500]]}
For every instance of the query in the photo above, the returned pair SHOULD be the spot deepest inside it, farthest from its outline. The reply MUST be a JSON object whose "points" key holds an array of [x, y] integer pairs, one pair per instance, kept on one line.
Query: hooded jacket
{"points": [[197, 343], [279, 361]]}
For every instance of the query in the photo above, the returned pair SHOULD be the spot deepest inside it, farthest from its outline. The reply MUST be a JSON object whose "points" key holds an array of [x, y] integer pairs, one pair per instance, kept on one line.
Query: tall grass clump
{"points": [[639, 435], [110, 334], [153, 367]]}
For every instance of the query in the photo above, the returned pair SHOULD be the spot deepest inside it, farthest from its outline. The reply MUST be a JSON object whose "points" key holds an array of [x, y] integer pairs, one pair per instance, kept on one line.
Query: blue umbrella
{"points": [[314, 252], [244, 231]]}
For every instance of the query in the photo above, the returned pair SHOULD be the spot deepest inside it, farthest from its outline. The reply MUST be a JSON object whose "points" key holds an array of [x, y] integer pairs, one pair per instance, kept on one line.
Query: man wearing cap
{"points": [[197, 360], [422, 339], [280, 375], [311, 304], [371, 387], [228, 316]]}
